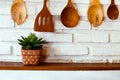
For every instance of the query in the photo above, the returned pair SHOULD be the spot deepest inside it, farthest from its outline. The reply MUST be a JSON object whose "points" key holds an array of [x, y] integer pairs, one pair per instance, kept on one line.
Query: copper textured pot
{"points": [[31, 57]]}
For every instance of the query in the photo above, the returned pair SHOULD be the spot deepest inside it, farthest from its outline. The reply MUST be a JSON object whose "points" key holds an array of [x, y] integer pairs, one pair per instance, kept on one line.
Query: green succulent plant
{"points": [[31, 42]]}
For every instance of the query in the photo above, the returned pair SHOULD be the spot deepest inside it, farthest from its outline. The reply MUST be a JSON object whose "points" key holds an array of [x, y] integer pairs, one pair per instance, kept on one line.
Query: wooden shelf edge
{"points": [[60, 66]]}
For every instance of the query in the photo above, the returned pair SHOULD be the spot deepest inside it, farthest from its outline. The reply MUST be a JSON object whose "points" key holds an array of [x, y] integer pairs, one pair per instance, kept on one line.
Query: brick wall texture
{"points": [[80, 44]]}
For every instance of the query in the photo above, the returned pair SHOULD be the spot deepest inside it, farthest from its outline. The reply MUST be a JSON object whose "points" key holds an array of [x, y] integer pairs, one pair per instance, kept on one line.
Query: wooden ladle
{"points": [[18, 11], [44, 21], [113, 11], [69, 16], [95, 13]]}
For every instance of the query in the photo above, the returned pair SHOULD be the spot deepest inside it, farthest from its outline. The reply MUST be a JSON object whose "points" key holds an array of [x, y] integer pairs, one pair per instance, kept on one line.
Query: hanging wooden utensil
{"points": [[69, 16], [95, 13], [44, 21], [18, 11], [113, 11]]}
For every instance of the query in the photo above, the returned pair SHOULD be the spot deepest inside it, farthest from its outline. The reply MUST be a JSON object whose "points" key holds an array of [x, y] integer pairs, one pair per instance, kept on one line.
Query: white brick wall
{"points": [[5, 49], [79, 44], [115, 38], [69, 50], [91, 37], [105, 51]]}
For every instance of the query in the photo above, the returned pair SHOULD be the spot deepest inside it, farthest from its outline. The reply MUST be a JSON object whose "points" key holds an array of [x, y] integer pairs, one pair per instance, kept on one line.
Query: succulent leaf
{"points": [[31, 42]]}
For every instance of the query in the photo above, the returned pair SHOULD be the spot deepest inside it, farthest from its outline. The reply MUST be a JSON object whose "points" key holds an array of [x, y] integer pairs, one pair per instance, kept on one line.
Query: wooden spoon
{"points": [[113, 11], [43, 21], [95, 13], [69, 16], [18, 11]]}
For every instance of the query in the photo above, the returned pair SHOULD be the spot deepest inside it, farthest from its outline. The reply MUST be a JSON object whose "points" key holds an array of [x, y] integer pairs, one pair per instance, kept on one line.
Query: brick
{"points": [[117, 2], [105, 50], [5, 8], [115, 38], [91, 61], [91, 37], [39, 7], [6, 22], [105, 1], [54, 37], [82, 9], [16, 49], [59, 50], [27, 24], [12, 35], [105, 8], [30, 9], [57, 9], [5, 49], [10, 58], [109, 25], [82, 25]]}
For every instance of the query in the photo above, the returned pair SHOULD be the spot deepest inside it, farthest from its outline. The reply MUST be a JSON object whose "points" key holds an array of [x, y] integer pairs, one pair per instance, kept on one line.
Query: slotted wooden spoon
{"points": [[113, 11], [69, 16], [18, 11], [95, 13], [44, 21]]}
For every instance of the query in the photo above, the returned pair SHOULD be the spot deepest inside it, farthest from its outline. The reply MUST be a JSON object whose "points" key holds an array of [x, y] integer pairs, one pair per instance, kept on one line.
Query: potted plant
{"points": [[31, 49]]}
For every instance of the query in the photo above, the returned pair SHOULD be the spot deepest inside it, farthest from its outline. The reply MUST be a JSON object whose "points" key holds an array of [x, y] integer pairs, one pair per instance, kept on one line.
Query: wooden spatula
{"points": [[95, 13], [69, 16], [113, 11], [18, 11], [44, 21]]}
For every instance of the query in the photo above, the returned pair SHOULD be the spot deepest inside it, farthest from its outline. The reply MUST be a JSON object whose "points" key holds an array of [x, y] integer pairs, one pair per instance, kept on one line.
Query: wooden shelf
{"points": [[59, 66]]}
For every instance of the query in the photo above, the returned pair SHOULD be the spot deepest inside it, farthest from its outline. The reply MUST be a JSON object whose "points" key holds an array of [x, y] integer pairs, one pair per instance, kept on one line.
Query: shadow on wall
{"points": [[45, 53]]}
